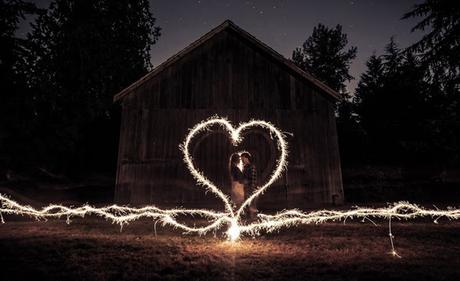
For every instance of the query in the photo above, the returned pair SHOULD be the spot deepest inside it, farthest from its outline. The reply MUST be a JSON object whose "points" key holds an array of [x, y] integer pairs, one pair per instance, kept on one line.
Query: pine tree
{"points": [[81, 53], [441, 20], [16, 113], [323, 55], [369, 88], [392, 57], [391, 102], [439, 51]]}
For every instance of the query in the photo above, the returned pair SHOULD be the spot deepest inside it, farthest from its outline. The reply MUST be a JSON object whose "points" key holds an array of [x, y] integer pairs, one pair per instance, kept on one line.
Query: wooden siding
{"points": [[227, 76]]}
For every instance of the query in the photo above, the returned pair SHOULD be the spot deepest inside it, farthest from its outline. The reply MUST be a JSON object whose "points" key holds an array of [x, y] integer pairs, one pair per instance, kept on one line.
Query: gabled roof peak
{"points": [[228, 24]]}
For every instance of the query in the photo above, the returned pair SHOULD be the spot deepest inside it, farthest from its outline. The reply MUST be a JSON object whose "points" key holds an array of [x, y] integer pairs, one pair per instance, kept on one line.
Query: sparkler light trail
{"points": [[266, 223], [231, 218], [236, 137]]}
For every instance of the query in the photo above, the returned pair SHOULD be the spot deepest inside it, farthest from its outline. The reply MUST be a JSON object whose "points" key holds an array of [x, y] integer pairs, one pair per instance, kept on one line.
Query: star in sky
{"points": [[281, 24]]}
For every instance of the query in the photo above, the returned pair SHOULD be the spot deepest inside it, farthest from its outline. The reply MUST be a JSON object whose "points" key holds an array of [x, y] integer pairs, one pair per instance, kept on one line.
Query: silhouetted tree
{"points": [[366, 102], [15, 99], [439, 51], [392, 106], [323, 54], [81, 53], [392, 58], [441, 18]]}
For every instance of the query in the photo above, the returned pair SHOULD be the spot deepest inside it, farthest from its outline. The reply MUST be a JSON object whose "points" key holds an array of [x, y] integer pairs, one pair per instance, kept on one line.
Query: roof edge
{"points": [[209, 35]]}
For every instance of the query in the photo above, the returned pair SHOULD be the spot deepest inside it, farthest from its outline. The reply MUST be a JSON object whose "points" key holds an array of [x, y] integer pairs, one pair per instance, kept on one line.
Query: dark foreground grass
{"points": [[96, 250]]}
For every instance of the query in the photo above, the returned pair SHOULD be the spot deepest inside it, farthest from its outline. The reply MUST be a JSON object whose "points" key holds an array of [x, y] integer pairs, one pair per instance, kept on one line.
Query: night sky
{"points": [[284, 24]]}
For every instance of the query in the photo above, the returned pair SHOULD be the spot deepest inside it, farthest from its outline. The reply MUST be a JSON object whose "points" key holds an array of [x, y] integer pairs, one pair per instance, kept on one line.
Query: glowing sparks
{"points": [[236, 136], [231, 218], [268, 223], [234, 231]]}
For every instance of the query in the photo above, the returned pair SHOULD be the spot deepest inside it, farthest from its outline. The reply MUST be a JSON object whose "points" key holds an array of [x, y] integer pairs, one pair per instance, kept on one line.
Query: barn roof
{"points": [[249, 38]]}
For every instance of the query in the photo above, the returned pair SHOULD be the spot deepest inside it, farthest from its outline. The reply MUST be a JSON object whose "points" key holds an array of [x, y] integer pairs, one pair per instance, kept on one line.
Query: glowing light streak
{"points": [[123, 215], [236, 137], [267, 223]]}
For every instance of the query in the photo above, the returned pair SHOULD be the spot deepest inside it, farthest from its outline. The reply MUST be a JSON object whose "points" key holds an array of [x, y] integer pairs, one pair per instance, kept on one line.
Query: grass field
{"points": [[92, 249]]}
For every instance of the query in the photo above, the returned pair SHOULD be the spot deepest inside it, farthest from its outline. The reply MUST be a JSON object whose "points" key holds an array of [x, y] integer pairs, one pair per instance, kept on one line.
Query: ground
{"points": [[93, 249]]}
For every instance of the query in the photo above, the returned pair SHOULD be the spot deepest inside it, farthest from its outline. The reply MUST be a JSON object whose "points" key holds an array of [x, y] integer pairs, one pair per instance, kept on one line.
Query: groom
{"points": [[250, 181]]}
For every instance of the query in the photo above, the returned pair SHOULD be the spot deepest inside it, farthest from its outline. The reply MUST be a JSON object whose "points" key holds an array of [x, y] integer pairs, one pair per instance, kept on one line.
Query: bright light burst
{"points": [[230, 218], [233, 231]]}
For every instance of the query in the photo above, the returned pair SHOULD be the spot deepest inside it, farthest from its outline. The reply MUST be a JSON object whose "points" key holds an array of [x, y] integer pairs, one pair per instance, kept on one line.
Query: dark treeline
{"points": [[58, 82], [57, 85], [406, 108]]}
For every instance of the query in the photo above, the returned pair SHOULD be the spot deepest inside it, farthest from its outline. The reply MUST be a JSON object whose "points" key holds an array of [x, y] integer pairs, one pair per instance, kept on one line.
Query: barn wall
{"points": [[229, 77]]}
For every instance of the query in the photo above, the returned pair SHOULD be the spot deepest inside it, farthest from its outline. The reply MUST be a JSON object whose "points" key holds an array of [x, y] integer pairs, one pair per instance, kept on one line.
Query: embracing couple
{"points": [[243, 181]]}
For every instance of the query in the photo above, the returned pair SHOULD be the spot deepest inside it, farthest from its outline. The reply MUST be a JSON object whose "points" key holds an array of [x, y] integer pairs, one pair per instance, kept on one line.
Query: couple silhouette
{"points": [[243, 176]]}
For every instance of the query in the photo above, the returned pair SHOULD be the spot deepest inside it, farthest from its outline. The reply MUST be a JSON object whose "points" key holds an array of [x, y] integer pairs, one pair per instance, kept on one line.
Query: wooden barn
{"points": [[229, 73]]}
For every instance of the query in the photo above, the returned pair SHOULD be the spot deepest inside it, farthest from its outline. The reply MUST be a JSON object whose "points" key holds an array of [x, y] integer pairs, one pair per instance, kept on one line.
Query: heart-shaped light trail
{"points": [[236, 137], [123, 214]]}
